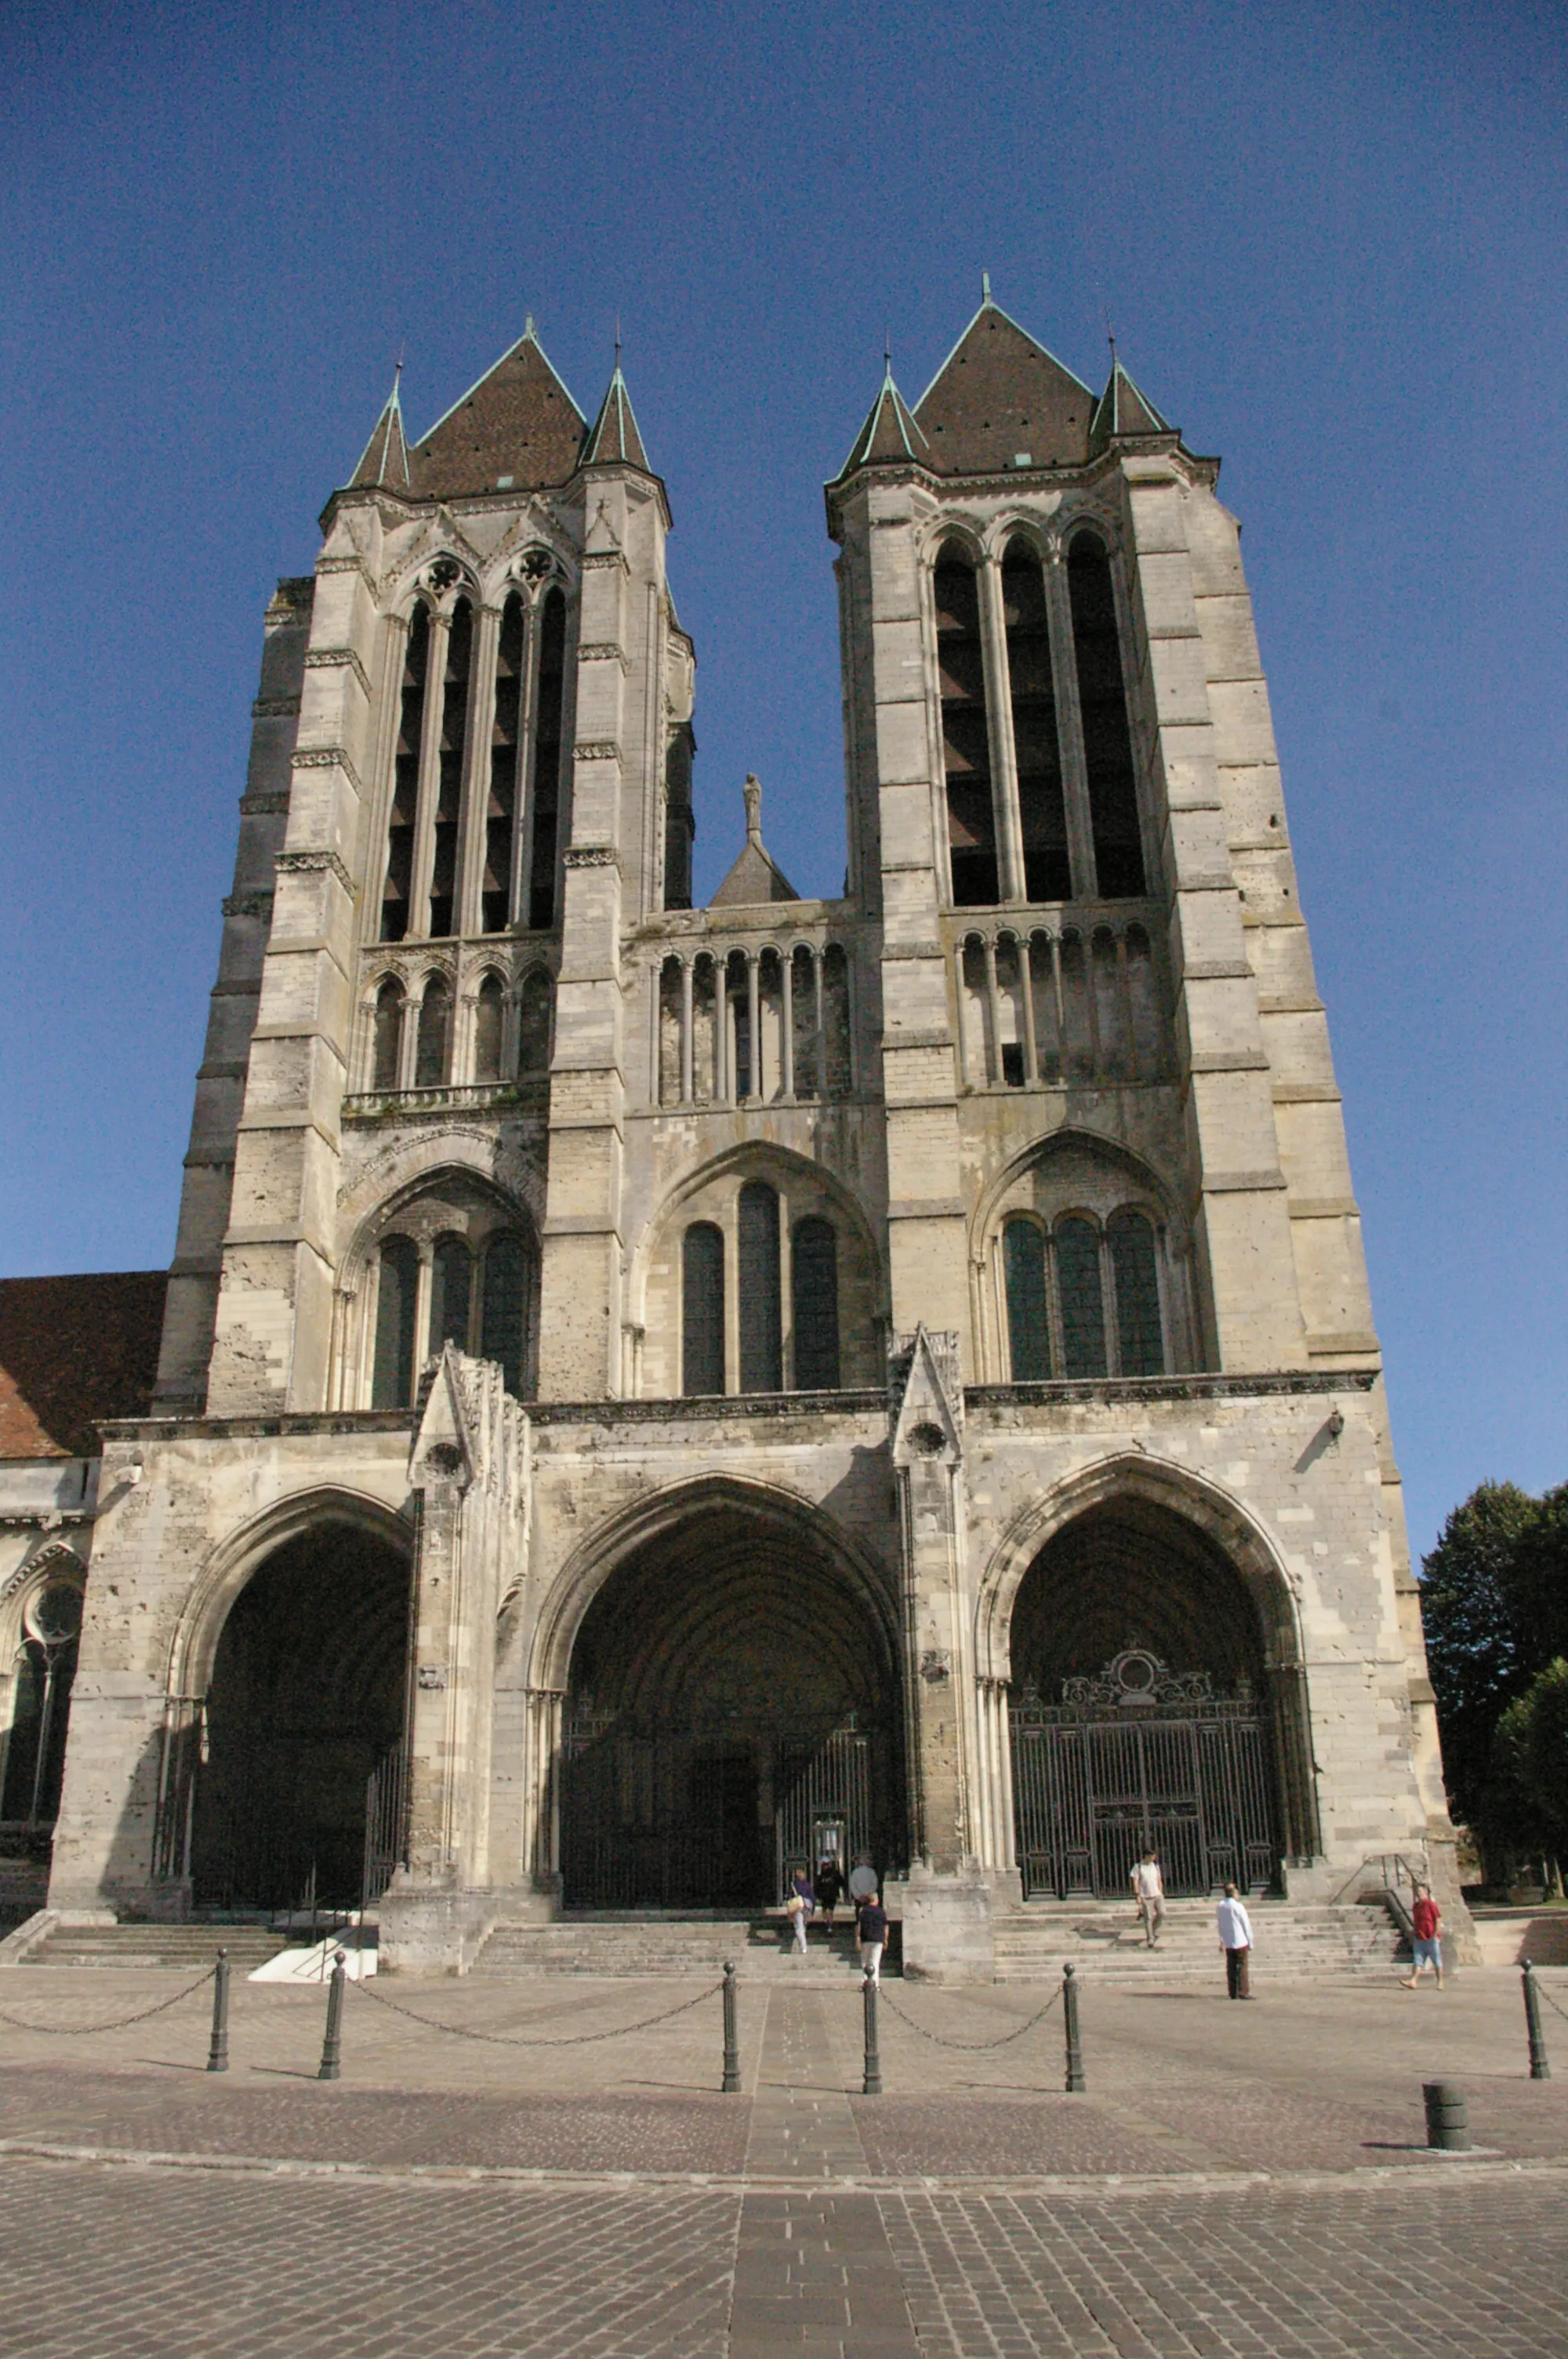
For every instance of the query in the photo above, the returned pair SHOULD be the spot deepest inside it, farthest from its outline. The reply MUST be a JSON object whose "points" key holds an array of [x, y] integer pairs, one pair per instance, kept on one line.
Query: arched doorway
{"points": [[1148, 1711], [305, 1702], [732, 1712]]}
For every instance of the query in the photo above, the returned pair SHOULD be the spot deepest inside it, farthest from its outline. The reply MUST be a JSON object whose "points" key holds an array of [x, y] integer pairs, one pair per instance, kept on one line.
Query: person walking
{"points": [[1236, 1940], [871, 1924], [1149, 1897], [798, 1906], [1426, 1920], [830, 1886]]}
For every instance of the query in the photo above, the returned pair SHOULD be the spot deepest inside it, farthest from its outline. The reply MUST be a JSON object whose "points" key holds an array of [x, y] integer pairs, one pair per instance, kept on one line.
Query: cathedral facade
{"points": [[651, 1395]]}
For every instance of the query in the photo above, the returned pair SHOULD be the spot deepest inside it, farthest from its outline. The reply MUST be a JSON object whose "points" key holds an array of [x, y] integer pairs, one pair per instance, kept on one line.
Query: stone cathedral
{"points": [[650, 1396]]}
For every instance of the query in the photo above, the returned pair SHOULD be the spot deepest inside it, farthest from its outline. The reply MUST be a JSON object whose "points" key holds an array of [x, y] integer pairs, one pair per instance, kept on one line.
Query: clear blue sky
{"points": [[1330, 240]]}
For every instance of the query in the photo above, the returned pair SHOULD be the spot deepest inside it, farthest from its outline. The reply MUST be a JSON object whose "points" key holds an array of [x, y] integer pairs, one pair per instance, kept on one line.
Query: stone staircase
{"points": [[630, 1944], [1105, 1942], [189, 1947]]}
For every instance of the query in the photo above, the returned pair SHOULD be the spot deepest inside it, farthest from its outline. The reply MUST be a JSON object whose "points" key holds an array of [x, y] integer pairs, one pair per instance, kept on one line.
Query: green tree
{"points": [[1479, 1649], [1529, 1790]]}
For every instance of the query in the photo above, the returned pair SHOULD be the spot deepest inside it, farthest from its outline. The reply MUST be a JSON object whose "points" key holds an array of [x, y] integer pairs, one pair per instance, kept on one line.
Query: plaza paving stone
{"points": [[1236, 2180]]}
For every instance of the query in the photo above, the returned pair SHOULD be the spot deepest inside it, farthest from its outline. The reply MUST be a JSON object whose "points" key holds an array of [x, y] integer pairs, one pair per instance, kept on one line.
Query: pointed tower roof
{"points": [[756, 875], [517, 428], [384, 459], [890, 435], [999, 400], [1122, 409], [613, 436]]}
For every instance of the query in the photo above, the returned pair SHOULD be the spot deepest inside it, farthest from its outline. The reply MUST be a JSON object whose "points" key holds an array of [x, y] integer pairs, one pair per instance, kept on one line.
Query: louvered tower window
{"points": [[405, 812], [503, 1309], [489, 1024], [548, 753], [1108, 741], [449, 770], [1042, 809], [965, 740], [500, 813]]}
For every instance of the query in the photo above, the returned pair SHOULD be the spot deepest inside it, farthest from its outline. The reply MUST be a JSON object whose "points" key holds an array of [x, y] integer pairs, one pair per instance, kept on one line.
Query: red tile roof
{"points": [[72, 1351], [999, 396]]}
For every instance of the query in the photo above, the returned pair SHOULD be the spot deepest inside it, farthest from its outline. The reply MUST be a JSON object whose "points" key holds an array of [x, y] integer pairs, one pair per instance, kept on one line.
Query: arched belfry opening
{"points": [[1157, 1705], [304, 1715], [731, 1712]]}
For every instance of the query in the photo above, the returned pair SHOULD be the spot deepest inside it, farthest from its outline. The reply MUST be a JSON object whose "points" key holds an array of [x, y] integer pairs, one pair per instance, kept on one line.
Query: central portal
{"points": [[731, 1713]]}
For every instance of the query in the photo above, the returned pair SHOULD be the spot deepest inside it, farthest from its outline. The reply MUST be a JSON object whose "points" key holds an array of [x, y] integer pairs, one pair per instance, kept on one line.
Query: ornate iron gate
{"points": [[674, 1819], [1141, 1758], [827, 1784]]}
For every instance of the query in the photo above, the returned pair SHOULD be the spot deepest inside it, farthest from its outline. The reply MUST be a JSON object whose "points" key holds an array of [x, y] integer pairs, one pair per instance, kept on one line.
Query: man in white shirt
{"points": [[1236, 1940], [1149, 1895]]}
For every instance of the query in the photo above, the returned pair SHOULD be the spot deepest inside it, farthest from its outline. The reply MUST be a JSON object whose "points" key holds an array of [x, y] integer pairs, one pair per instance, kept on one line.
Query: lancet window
{"points": [[471, 1285], [1082, 1300], [1038, 766], [475, 814], [32, 1742], [774, 1295], [966, 731]]}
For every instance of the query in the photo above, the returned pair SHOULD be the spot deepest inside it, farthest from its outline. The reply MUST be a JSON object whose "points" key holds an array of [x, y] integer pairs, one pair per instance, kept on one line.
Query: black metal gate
{"points": [[1140, 1759], [824, 1802], [658, 1818]]}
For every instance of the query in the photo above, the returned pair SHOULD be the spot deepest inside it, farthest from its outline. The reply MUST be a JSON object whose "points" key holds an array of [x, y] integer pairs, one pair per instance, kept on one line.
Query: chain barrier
{"points": [[511, 2040], [1542, 1993], [968, 2047], [121, 2023]]}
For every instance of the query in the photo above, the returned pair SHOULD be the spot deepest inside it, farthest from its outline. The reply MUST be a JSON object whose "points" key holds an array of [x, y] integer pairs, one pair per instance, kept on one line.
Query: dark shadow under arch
{"points": [[731, 1688], [1206, 1758], [307, 1697]]}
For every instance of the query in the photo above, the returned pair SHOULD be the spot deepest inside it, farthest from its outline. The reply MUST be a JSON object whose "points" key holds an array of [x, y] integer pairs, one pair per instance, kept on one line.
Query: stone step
{"points": [[1105, 1940], [190, 1946], [631, 1946]]}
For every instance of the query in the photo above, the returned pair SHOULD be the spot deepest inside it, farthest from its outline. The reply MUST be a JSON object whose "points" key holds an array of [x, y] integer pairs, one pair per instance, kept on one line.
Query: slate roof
{"points": [[1121, 410], [518, 427], [756, 875], [1000, 398], [385, 455], [889, 434], [613, 435], [74, 1351]]}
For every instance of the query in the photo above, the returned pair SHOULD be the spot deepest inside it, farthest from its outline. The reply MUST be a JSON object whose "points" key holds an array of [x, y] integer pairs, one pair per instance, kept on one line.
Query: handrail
{"points": [[1405, 1871]]}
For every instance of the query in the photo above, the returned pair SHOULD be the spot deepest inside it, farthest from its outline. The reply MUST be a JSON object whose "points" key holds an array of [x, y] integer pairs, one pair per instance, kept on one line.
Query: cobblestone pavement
{"points": [[976, 2209]]}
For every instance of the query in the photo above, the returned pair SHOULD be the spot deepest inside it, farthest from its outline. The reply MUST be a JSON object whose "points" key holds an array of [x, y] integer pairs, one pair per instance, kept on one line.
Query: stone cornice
{"points": [[326, 758], [1197, 1386], [264, 806], [591, 855], [248, 904], [315, 864], [275, 708], [338, 658]]}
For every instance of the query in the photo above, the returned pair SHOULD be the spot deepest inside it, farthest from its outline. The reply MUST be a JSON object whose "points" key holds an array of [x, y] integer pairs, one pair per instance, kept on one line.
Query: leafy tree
{"points": [[1479, 1651], [1529, 1791]]}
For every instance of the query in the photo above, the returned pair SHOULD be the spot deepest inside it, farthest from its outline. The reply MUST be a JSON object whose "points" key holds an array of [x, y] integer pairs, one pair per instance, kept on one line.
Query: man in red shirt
{"points": [[1426, 1918]]}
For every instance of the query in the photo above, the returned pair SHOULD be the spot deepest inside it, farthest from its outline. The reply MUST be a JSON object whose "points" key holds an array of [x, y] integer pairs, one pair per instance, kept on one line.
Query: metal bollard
{"points": [[1539, 2069], [1447, 2118], [332, 2045], [1070, 2026], [218, 2045], [871, 2085], [731, 2087]]}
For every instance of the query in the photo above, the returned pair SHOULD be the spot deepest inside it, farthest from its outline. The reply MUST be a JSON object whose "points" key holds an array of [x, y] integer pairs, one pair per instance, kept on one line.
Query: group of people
{"points": [[820, 1895], [1235, 1928]]}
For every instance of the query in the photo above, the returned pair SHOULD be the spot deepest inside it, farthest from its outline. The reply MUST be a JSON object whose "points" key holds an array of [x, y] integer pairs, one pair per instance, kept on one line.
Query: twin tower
{"points": [[728, 1382]]}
